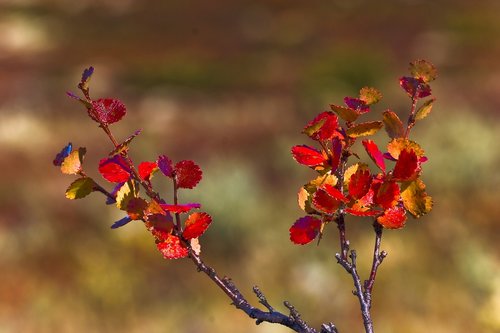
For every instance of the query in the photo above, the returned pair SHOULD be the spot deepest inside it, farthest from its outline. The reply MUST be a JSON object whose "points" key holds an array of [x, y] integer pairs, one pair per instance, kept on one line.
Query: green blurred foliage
{"points": [[230, 85]]}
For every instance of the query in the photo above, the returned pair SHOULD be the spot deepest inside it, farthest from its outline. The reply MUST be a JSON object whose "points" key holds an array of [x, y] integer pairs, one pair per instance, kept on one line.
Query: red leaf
{"points": [[159, 225], [386, 194], [356, 104], [187, 174], [415, 87], [165, 165], [146, 169], [393, 218], [114, 169], [196, 224], [328, 199], [360, 183], [107, 110], [305, 230], [308, 156], [180, 208], [374, 153], [323, 127], [362, 213], [407, 167], [172, 248], [335, 193]]}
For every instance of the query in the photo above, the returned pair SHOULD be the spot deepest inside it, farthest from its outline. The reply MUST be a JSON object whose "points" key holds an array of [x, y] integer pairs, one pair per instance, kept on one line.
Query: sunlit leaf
{"points": [[415, 88], [125, 194], [72, 164], [364, 129], [415, 199], [327, 178], [356, 212], [370, 95], [308, 156], [424, 70], [335, 153], [196, 224], [425, 109], [393, 125], [363, 206], [305, 230], [107, 110], [136, 208], [159, 224], [393, 218], [397, 145], [63, 154], [80, 188], [352, 170], [187, 174], [334, 192], [172, 248], [356, 104], [374, 153], [121, 222], [146, 170], [347, 114], [180, 208], [323, 127], [385, 194], [360, 183], [324, 202], [114, 169], [407, 167], [165, 165]]}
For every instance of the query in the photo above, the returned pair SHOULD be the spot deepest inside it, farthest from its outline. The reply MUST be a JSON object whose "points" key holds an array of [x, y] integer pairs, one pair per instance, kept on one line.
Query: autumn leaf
{"points": [[415, 199], [122, 147], [114, 169], [308, 156], [360, 183], [370, 95], [407, 167], [121, 222], [180, 208], [63, 154], [393, 218], [305, 230], [386, 194], [136, 207], [80, 188], [352, 170], [187, 174], [107, 110], [172, 248], [395, 147], [347, 114], [165, 165], [364, 129], [146, 170], [423, 70], [324, 202], [126, 192], [415, 88], [393, 125], [72, 164], [424, 110], [323, 127], [374, 153], [196, 224], [356, 104]]}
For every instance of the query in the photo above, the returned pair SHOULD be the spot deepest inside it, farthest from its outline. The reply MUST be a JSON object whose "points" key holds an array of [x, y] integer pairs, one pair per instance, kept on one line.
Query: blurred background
{"points": [[230, 84]]}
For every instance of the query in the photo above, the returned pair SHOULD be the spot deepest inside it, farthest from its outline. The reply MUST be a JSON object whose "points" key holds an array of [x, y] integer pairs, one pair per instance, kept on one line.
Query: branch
{"points": [[292, 321], [378, 257]]}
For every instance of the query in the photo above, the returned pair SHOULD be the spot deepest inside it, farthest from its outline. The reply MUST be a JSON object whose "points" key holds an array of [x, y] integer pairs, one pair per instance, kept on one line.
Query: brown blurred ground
{"points": [[230, 84]]}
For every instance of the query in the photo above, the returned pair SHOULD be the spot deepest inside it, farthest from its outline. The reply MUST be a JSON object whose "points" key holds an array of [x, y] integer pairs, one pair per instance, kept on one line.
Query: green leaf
{"points": [[422, 69], [415, 199], [370, 95], [364, 129], [393, 125], [80, 188], [424, 110], [72, 164], [345, 113], [125, 194]]}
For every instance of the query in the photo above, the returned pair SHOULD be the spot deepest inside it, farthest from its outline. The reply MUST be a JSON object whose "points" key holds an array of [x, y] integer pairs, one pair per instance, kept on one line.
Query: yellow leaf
{"points": [[393, 125], [415, 199], [397, 145], [72, 164], [345, 113], [370, 95], [80, 188], [364, 129], [124, 194], [424, 110]]}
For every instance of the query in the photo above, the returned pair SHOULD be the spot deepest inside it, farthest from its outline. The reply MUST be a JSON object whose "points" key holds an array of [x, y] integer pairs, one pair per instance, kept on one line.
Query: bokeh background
{"points": [[230, 84]]}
